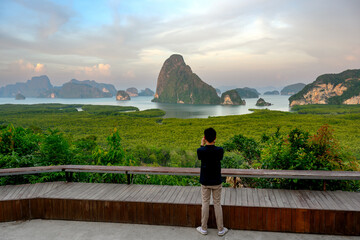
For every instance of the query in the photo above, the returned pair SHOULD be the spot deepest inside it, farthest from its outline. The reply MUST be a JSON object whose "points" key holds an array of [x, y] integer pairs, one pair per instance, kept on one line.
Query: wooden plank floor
{"points": [[244, 208], [248, 197]]}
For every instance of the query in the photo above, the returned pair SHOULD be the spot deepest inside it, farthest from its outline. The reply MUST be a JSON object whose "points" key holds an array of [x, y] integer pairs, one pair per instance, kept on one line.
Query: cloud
{"points": [[96, 71], [44, 16], [26, 67], [39, 67], [129, 74], [223, 41]]}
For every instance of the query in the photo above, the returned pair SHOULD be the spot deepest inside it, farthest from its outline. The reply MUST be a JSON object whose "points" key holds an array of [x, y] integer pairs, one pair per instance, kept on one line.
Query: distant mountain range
{"points": [[31, 88], [292, 89], [41, 87]]}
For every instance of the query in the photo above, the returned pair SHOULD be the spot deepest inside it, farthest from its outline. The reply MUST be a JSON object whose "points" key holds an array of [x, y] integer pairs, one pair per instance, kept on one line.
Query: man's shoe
{"points": [[200, 230], [223, 232]]}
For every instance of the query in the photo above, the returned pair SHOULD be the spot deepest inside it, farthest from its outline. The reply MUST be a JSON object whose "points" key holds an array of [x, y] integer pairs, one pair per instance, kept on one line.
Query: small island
{"points": [[275, 92], [231, 97], [262, 103], [133, 92], [122, 96], [146, 92], [19, 96]]}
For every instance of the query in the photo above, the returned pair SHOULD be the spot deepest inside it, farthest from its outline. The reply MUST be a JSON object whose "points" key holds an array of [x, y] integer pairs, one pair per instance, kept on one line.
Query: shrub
{"points": [[247, 147]]}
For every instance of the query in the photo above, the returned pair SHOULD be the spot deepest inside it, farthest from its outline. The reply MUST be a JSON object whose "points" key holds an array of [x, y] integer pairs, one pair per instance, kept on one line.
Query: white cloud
{"points": [[26, 67], [96, 71], [221, 40]]}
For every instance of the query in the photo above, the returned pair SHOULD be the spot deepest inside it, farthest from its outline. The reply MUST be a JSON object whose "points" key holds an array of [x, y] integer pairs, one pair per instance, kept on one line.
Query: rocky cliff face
{"points": [[231, 97], [178, 84], [122, 96], [342, 88]]}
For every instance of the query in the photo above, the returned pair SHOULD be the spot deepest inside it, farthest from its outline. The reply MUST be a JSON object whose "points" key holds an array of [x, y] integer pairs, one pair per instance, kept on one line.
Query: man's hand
{"points": [[203, 141]]}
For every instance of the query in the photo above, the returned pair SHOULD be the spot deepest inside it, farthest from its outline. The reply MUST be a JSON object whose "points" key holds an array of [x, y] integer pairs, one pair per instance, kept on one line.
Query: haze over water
{"points": [[279, 102]]}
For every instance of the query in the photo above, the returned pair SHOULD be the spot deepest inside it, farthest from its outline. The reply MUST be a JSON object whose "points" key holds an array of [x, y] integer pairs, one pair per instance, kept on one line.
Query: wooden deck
{"points": [[305, 211]]}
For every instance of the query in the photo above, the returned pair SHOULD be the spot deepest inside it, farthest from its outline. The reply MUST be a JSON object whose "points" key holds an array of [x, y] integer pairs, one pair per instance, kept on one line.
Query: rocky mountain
{"points": [[79, 89], [231, 97], [133, 92], [261, 102], [31, 88], [248, 92], [104, 87], [146, 92], [341, 88], [178, 84], [292, 89], [122, 96], [76, 90], [275, 92]]}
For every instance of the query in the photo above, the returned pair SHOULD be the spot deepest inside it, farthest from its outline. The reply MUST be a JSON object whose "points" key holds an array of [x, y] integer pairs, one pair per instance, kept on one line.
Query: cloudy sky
{"points": [[242, 43]]}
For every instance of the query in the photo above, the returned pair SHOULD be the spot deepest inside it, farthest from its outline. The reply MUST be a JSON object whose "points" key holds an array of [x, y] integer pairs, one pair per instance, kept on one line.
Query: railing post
{"points": [[324, 185], [129, 177], [68, 176], [234, 182]]}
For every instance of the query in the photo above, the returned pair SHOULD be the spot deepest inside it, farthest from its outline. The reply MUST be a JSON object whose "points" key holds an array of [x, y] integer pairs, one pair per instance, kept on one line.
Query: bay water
{"points": [[280, 103]]}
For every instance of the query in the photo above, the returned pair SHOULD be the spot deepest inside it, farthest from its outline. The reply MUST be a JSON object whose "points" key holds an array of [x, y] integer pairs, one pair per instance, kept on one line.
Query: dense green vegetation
{"points": [[49, 134], [326, 109]]}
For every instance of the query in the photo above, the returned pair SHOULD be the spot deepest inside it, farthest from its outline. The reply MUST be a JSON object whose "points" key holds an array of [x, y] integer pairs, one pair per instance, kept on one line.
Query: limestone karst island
{"points": [[178, 84]]}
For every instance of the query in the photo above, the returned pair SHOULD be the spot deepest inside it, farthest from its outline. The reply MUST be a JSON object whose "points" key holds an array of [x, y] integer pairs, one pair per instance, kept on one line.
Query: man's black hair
{"points": [[210, 134]]}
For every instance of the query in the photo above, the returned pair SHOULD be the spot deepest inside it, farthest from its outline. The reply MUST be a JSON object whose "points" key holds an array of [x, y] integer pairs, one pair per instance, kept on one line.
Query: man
{"points": [[210, 179]]}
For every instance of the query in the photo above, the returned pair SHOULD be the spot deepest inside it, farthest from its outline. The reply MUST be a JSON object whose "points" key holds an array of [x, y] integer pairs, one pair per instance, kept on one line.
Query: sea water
{"points": [[280, 103]]}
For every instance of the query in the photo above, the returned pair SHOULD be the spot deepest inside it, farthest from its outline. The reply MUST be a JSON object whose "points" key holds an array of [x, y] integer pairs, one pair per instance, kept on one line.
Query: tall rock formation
{"points": [[231, 97], [341, 88], [178, 84]]}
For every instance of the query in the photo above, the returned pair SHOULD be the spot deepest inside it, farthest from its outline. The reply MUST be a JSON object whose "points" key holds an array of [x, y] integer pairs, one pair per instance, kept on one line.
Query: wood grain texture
{"points": [[301, 211]]}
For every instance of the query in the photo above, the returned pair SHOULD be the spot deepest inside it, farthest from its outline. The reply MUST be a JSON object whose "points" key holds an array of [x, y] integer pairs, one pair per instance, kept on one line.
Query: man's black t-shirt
{"points": [[210, 156]]}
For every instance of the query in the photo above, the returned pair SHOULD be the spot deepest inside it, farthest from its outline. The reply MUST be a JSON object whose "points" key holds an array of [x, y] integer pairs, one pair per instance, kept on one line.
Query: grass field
{"points": [[150, 129]]}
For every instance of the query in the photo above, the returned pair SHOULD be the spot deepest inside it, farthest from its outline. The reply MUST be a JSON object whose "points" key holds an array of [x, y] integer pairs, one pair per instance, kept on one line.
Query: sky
{"points": [[237, 43]]}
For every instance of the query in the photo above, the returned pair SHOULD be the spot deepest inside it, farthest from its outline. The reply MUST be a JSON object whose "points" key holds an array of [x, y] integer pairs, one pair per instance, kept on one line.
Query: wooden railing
{"points": [[225, 172]]}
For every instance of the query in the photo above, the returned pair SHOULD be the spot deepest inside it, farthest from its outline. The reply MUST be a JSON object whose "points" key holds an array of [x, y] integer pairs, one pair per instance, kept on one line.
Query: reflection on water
{"points": [[279, 102]]}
